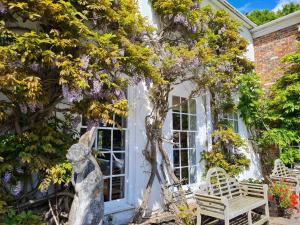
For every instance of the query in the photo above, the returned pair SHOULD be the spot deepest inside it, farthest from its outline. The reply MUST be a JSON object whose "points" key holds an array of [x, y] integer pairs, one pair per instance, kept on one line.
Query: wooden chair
{"points": [[231, 201], [292, 177]]}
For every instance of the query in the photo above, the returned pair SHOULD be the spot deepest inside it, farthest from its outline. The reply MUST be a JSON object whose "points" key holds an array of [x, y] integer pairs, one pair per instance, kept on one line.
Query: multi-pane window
{"points": [[295, 145], [110, 142], [233, 119], [184, 139]]}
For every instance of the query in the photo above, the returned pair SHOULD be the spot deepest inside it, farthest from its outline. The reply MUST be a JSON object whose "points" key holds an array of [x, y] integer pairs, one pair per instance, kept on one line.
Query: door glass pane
{"points": [[118, 140], [106, 189], [176, 104], [176, 140], [117, 188], [184, 158], [185, 122], [104, 161], [176, 121], [121, 121], [104, 140], [193, 123], [183, 140], [192, 140], [185, 175], [192, 106], [193, 174], [176, 158], [118, 163], [193, 157], [177, 173], [184, 105]]}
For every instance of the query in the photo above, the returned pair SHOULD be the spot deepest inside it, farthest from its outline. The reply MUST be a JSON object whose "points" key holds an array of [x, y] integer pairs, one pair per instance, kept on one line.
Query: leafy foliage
{"points": [[225, 152], [273, 118], [24, 218], [263, 16], [290, 156]]}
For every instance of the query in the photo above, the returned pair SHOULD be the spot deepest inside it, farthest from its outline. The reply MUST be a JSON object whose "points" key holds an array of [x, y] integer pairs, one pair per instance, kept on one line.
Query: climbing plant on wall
{"points": [[273, 118], [198, 45]]}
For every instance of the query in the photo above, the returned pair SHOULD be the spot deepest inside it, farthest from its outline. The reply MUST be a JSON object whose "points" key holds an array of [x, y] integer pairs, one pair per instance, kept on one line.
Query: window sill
{"points": [[117, 207]]}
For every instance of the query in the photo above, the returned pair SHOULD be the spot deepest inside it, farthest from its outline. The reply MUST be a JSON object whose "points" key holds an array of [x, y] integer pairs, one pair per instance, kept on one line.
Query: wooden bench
{"points": [[229, 200], [292, 177]]}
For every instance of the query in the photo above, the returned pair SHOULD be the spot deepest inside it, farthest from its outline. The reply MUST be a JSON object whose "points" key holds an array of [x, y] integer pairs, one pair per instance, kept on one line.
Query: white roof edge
{"points": [[238, 14], [275, 25]]}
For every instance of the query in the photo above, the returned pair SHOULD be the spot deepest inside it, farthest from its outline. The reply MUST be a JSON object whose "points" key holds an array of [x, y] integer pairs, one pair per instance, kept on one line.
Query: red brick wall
{"points": [[270, 48]]}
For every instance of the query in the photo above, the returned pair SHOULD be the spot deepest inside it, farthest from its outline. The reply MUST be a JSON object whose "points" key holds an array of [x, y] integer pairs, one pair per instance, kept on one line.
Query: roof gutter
{"points": [[240, 15]]}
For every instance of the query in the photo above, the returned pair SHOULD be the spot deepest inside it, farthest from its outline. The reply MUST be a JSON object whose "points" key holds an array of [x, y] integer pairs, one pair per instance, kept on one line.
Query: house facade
{"points": [[123, 164]]}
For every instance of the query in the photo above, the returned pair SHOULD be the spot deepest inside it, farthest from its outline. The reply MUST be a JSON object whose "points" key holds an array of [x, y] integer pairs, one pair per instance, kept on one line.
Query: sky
{"points": [[248, 5]]}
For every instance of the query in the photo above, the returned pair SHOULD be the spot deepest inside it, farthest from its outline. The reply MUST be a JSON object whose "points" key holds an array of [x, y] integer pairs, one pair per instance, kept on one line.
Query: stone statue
{"points": [[88, 206]]}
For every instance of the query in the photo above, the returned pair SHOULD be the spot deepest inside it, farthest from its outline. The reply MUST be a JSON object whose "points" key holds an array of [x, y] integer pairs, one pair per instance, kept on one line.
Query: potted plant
{"points": [[282, 198]]}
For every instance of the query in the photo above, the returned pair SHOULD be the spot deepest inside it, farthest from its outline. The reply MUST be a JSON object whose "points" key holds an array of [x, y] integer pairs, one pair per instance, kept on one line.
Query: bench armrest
{"points": [[255, 190], [212, 205]]}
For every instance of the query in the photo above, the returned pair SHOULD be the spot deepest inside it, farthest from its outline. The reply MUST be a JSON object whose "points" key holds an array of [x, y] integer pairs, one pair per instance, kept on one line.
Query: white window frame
{"points": [[232, 118], [111, 201], [190, 164]]}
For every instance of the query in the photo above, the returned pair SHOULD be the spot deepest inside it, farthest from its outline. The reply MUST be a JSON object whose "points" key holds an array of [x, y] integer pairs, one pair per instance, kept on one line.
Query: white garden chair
{"points": [[231, 201]]}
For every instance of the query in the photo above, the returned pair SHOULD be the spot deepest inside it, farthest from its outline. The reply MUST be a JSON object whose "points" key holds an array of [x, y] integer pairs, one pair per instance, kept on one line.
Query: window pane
{"points": [[193, 175], [176, 140], [184, 158], [119, 140], [176, 121], [117, 188], [184, 105], [236, 126], [192, 140], [183, 140], [121, 121], [106, 189], [236, 117], [104, 140], [82, 131], [177, 173], [118, 163], [176, 158], [192, 106], [104, 161], [176, 104], [185, 122], [193, 123], [192, 157], [185, 175]]}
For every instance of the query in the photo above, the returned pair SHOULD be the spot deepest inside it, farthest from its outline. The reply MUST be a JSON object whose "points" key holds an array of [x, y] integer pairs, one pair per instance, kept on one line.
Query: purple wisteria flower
{"points": [[19, 170], [34, 67], [114, 60], [72, 95], [92, 123], [122, 52], [23, 108], [147, 82], [7, 177], [84, 62], [16, 189], [76, 121], [3, 8], [196, 5], [193, 29], [32, 107]]}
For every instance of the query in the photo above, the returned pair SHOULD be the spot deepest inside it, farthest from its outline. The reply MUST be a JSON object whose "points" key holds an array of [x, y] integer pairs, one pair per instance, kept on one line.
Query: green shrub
{"points": [[24, 218]]}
